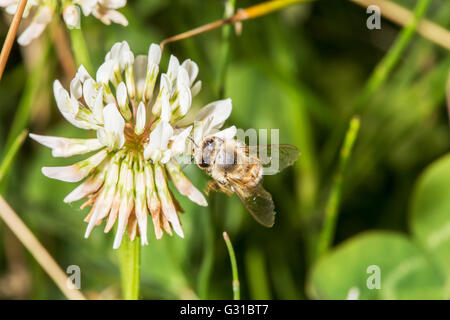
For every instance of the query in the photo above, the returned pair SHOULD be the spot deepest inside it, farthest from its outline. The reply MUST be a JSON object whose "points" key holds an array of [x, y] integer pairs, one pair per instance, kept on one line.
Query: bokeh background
{"points": [[300, 70]]}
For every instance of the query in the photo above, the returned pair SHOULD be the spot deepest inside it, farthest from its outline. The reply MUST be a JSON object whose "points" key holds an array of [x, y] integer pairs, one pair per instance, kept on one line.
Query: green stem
{"points": [[234, 269], [225, 48], [390, 60], [208, 252], [380, 73], [80, 49], [130, 264], [332, 207]]}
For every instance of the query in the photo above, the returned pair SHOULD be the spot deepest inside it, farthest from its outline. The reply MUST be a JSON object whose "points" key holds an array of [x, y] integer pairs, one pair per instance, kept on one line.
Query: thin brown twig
{"points": [[402, 16], [255, 11], [7, 45], [13, 221]]}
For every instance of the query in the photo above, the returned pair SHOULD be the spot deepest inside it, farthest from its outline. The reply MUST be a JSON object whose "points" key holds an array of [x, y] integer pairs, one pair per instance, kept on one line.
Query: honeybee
{"points": [[236, 168]]}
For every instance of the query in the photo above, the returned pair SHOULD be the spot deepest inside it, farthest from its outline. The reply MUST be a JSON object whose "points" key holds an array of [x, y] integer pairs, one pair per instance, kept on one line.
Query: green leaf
{"points": [[430, 211], [405, 271]]}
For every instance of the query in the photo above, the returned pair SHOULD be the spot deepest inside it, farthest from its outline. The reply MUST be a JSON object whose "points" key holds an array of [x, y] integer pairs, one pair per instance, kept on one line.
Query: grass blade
{"points": [[234, 269]]}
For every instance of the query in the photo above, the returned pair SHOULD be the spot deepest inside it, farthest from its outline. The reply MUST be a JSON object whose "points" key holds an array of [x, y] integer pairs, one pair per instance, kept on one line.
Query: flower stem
{"points": [[234, 269], [80, 49], [130, 265], [332, 207], [225, 49]]}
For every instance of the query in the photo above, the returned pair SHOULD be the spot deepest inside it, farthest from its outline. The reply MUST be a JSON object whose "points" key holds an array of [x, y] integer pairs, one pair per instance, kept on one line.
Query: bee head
{"points": [[205, 155]]}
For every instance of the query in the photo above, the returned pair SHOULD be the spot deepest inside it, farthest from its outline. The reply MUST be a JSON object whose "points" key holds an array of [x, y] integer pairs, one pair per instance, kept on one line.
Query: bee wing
{"points": [[258, 202], [274, 158]]}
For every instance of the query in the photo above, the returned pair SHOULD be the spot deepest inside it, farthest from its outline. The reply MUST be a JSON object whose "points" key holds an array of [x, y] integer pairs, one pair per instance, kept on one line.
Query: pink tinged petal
{"points": [[91, 185], [140, 119], [227, 133], [76, 172], [168, 208], [179, 141], [153, 202], [132, 227], [105, 200], [126, 206], [192, 69], [65, 147], [141, 206], [183, 185]]}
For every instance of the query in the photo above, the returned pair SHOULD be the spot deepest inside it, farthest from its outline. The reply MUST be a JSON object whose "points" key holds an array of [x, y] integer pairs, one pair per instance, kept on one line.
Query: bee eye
{"points": [[204, 164]]}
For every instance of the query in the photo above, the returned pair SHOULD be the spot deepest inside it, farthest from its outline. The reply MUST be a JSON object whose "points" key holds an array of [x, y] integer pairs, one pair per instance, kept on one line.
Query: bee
{"points": [[236, 168]]}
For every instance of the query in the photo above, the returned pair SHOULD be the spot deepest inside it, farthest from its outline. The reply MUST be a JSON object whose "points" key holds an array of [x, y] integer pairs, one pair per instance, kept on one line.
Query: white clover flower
{"points": [[43, 11], [138, 142]]}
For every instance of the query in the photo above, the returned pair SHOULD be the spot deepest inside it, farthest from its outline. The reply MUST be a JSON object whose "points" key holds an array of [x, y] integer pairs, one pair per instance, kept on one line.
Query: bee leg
{"points": [[213, 185]]}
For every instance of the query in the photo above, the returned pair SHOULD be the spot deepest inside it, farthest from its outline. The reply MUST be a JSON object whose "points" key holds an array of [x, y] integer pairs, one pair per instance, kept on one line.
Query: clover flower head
{"points": [[43, 11], [138, 140]]}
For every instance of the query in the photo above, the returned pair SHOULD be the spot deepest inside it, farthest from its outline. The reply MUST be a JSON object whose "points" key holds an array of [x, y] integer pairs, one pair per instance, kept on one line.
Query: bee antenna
{"points": [[192, 141]]}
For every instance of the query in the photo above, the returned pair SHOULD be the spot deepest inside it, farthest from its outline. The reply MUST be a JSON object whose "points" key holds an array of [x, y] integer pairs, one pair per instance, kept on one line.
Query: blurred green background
{"points": [[300, 70]]}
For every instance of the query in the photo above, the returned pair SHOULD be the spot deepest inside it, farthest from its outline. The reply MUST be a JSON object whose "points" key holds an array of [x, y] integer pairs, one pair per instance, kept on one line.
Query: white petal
{"points": [[121, 94], [165, 108], [114, 125], [76, 172], [183, 185], [140, 119], [76, 88], [98, 106], [185, 100], [227, 133], [91, 185], [105, 72], [172, 70], [179, 141], [154, 54], [217, 111], [65, 147], [167, 205], [192, 69], [140, 73], [183, 78], [195, 90]]}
